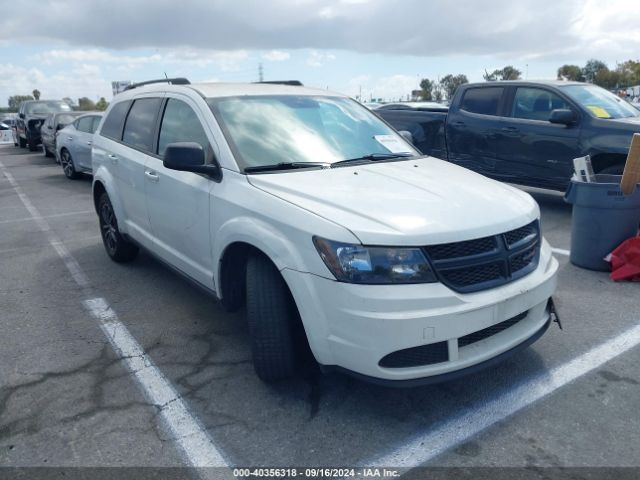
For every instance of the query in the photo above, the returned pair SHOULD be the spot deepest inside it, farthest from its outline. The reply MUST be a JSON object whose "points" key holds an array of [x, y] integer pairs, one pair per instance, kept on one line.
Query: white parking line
{"points": [[31, 219], [561, 251], [191, 437], [423, 448], [189, 433]]}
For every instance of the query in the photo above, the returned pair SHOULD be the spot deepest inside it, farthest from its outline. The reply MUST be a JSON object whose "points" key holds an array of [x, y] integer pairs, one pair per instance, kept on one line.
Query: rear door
{"points": [[471, 126], [529, 147], [83, 137], [179, 202]]}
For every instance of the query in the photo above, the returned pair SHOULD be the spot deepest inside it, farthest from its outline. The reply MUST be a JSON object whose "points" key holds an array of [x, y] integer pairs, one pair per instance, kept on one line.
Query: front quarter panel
{"points": [[281, 230]]}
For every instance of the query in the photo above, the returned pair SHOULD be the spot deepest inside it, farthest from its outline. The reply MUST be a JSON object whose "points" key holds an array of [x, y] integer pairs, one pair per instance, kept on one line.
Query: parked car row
{"points": [[63, 133]]}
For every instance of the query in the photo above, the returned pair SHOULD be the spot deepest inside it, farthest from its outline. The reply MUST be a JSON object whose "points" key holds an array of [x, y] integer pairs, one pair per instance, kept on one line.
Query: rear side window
{"points": [[483, 100], [180, 124], [114, 122], [141, 122]]}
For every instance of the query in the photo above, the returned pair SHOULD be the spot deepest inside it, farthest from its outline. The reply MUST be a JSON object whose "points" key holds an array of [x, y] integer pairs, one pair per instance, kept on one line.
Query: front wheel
{"points": [[274, 323], [118, 248], [67, 165]]}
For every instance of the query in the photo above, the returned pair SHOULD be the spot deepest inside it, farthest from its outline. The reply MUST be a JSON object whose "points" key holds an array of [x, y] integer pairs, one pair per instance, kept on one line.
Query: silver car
{"points": [[73, 145]]}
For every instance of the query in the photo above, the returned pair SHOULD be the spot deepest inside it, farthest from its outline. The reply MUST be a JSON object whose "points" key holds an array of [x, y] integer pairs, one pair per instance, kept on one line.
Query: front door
{"points": [[179, 202], [534, 149]]}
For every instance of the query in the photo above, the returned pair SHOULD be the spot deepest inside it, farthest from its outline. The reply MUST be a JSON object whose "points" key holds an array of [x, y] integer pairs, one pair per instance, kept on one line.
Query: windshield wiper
{"points": [[372, 157], [285, 166]]}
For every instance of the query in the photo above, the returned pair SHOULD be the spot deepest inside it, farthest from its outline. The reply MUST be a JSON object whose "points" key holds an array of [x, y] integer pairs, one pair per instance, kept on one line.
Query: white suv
{"points": [[327, 224]]}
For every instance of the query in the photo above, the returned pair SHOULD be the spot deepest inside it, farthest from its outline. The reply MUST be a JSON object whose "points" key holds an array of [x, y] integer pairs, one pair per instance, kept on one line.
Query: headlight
{"points": [[374, 265]]}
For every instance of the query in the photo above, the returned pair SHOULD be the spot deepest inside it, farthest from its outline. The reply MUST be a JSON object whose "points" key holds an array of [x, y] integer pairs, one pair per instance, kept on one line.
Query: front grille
{"points": [[489, 331], [417, 356], [527, 232], [487, 262], [462, 249], [472, 275]]}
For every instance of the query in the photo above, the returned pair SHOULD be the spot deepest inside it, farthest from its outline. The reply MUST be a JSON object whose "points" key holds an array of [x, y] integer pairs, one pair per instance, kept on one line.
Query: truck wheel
{"points": [[272, 317], [118, 249], [67, 165], [32, 145], [23, 142]]}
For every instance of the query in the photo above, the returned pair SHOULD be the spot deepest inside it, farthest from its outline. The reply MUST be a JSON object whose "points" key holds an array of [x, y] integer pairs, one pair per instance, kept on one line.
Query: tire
{"points": [[118, 248], [68, 167], [272, 318], [33, 147], [23, 142], [613, 170], [46, 151]]}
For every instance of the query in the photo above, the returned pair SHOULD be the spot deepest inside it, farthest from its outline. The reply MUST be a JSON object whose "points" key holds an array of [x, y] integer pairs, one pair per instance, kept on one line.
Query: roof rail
{"points": [[293, 83], [171, 81]]}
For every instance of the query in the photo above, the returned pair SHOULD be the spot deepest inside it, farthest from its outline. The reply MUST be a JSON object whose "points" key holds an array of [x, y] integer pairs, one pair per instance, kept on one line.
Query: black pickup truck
{"points": [[525, 132]]}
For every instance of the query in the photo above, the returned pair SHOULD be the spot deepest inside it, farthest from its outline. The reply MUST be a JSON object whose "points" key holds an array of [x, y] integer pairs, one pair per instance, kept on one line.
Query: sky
{"points": [[377, 48]]}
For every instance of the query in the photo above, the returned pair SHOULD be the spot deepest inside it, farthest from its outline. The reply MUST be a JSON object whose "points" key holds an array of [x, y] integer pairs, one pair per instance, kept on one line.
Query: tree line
{"points": [[444, 88], [624, 75], [84, 103]]}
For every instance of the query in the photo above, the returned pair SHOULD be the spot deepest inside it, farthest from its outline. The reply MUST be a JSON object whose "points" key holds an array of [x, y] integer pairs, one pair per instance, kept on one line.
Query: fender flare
{"points": [[260, 235], [104, 177]]}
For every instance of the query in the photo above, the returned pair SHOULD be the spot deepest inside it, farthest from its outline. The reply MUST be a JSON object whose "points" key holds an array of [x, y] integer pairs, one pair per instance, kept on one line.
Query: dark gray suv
{"points": [[31, 116]]}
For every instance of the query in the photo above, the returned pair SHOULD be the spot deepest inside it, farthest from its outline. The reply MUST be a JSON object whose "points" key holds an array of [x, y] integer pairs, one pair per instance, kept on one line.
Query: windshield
{"points": [[268, 130], [599, 102], [47, 107]]}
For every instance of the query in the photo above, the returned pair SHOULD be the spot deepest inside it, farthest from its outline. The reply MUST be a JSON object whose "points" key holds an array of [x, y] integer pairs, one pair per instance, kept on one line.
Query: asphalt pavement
{"points": [[69, 398]]}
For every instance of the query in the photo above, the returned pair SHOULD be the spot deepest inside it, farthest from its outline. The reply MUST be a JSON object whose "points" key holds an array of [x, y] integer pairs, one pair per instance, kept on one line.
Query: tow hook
{"points": [[553, 313]]}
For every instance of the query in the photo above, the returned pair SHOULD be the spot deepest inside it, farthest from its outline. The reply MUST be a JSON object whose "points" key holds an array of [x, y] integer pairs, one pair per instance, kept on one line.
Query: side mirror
{"points": [[22, 115], [188, 157], [562, 116], [59, 126], [406, 135]]}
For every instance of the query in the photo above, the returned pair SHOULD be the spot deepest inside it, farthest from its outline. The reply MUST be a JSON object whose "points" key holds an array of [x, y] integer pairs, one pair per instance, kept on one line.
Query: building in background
{"points": [[119, 86]]}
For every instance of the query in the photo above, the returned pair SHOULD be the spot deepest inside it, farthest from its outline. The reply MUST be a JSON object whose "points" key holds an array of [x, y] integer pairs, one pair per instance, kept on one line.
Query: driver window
{"points": [[536, 104], [181, 124]]}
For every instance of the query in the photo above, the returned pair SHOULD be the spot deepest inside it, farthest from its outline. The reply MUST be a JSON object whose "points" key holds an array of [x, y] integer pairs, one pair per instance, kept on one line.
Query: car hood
{"points": [[631, 121], [416, 202]]}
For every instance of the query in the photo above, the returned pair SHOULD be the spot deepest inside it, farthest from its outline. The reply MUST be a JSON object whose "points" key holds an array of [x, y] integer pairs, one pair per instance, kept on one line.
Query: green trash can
{"points": [[602, 219]]}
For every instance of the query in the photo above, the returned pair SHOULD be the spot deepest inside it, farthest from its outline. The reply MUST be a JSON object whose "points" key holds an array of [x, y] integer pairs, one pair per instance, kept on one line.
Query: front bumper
{"points": [[354, 326]]}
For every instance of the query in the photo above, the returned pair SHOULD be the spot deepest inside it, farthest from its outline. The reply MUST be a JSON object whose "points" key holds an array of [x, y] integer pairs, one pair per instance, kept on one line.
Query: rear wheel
{"points": [[67, 165], [46, 151], [118, 248], [33, 146], [274, 323]]}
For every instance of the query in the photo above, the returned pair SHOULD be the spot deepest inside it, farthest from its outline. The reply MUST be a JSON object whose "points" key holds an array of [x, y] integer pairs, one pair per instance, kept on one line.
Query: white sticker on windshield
{"points": [[392, 143]]}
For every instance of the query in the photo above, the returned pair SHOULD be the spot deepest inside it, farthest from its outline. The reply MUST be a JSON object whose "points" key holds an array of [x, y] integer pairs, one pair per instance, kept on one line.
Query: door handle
{"points": [[510, 131], [70, 138], [114, 158], [89, 143], [153, 176]]}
